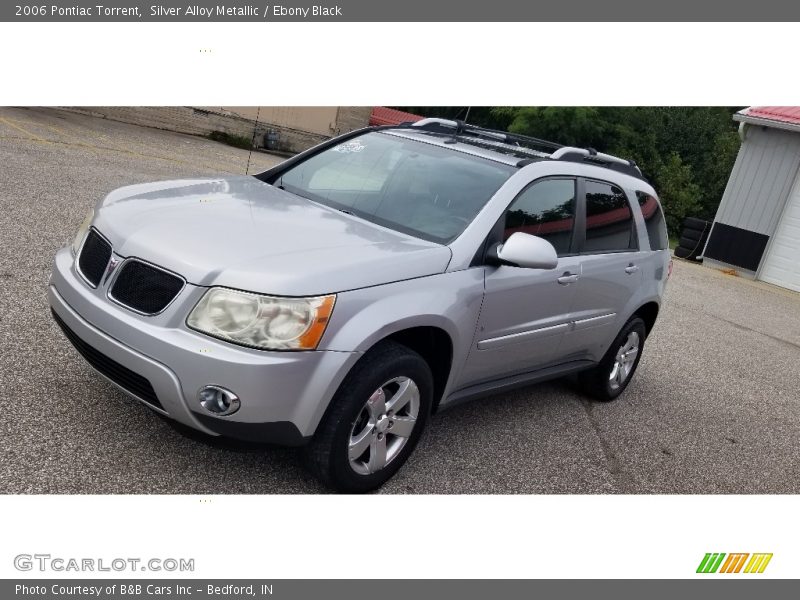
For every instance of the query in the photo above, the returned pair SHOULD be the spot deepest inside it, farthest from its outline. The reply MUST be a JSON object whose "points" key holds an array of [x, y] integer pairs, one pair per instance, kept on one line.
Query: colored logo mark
{"points": [[719, 562]]}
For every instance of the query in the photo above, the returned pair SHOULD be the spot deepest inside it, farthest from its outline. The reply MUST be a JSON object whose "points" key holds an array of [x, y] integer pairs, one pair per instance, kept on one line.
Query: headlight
{"points": [[82, 231], [264, 322]]}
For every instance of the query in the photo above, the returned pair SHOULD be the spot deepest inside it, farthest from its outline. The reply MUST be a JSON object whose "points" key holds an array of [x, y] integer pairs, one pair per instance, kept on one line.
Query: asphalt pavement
{"points": [[714, 406]]}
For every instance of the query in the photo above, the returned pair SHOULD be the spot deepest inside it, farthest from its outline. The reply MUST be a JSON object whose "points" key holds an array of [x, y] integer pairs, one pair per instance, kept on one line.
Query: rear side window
{"points": [[545, 209], [609, 220], [653, 220]]}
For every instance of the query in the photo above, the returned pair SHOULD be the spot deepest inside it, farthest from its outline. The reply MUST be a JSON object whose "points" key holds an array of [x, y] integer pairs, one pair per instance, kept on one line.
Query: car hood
{"points": [[243, 233]]}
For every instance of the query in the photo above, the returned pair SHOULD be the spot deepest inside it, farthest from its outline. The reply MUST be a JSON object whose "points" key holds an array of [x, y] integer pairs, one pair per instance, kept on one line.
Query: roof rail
{"points": [[434, 121], [460, 127], [527, 145], [588, 152], [593, 156], [517, 141]]}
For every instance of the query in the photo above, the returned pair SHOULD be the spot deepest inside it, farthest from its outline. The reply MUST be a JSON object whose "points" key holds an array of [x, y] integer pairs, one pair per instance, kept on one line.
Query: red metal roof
{"points": [[389, 116], [782, 114]]}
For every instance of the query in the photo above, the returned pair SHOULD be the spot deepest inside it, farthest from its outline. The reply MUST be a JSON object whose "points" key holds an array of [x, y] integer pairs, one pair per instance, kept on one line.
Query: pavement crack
{"points": [[613, 465]]}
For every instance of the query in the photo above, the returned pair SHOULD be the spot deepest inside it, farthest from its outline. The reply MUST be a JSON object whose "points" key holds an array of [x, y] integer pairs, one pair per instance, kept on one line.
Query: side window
{"points": [[653, 220], [545, 209], [609, 220]]}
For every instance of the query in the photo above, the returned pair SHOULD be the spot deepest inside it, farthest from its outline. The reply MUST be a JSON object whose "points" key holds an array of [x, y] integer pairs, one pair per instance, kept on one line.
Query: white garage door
{"points": [[782, 264]]}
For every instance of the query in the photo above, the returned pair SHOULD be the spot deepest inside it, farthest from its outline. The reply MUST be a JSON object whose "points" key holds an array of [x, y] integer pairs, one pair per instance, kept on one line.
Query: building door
{"points": [[782, 263]]}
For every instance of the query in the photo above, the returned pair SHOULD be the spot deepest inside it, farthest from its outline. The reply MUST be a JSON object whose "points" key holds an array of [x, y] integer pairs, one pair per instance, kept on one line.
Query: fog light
{"points": [[218, 401]]}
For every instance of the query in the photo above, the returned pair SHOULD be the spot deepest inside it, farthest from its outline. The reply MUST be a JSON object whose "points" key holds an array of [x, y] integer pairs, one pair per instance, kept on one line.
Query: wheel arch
{"points": [[435, 346], [648, 312]]}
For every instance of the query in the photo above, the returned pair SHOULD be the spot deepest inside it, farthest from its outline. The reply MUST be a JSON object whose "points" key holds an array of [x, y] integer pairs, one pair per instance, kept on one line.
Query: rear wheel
{"points": [[611, 376], [374, 421]]}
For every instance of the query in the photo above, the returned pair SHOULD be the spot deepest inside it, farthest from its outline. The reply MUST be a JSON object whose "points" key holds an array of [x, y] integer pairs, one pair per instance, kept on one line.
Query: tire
{"points": [[599, 382], [355, 409], [692, 236], [693, 245], [695, 230], [682, 252], [695, 223]]}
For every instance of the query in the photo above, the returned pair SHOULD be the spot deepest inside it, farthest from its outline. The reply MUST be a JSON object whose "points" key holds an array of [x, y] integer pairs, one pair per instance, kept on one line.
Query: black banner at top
{"points": [[401, 11]]}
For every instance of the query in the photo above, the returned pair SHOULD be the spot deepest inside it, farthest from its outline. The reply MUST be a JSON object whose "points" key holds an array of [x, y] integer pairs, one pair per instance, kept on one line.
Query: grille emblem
{"points": [[112, 264]]}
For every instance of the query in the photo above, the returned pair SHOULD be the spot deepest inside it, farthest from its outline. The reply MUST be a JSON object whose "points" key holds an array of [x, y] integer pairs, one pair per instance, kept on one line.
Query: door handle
{"points": [[631, 268], [567, 278]]}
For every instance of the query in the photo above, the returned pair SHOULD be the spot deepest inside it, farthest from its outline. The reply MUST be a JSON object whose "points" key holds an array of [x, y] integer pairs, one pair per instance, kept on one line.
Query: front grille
{"points": [[144, 288], [119, 374], [95, 254]]}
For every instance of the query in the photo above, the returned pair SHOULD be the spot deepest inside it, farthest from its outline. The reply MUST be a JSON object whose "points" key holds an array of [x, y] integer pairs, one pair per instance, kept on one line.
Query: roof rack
{"points": [[514, 139], [524, 145]]}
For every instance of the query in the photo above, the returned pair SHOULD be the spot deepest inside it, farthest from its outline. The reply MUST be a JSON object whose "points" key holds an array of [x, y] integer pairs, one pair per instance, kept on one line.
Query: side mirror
{"points": [[528, 251]]}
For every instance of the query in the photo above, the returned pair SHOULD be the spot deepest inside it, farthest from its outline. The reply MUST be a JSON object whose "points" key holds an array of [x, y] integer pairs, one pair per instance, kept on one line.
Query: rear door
{"points": [[526, 312], [610, 269]]}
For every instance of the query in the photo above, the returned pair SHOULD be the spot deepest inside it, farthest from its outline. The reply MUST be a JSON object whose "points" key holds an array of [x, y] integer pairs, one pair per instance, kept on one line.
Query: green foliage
{"points": [[678, 192], [238, 141], [687, 153]]}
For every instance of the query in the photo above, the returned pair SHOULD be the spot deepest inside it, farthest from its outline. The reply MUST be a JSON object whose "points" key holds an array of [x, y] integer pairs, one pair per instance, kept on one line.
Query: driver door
{"points": [[526, 312]]}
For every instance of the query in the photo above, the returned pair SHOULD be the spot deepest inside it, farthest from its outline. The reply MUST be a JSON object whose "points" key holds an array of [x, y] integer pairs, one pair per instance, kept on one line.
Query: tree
{"points": [[678, 192]]}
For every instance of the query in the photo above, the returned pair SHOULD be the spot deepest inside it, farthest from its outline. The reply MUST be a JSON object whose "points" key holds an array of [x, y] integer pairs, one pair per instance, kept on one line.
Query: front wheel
{"points": [[612, 374], [374, 421]]}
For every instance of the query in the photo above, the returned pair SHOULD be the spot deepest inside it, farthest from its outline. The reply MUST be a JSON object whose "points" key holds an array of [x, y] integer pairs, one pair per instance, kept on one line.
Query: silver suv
{"points": [[337, 299]]}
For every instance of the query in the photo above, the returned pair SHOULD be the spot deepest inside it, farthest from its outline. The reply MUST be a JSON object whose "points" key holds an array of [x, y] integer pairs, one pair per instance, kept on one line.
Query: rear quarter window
{"points": [[609, 219], [653, 220]]}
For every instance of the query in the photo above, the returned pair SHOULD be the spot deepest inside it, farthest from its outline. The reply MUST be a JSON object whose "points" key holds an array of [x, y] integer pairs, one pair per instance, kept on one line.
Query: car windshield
{"points": [[421, 189]]}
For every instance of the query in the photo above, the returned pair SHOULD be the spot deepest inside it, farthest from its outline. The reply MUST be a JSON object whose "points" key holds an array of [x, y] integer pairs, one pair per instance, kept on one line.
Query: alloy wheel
{"points": [[384, 425], [624, 361]]}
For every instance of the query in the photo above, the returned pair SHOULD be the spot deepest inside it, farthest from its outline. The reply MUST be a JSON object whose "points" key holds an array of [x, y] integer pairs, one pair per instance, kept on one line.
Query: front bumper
{"points": [[283, 394]]}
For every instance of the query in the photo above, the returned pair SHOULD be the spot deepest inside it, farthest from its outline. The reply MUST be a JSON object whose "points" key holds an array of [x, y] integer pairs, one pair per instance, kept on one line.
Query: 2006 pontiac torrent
{"points": [[338, 299]]}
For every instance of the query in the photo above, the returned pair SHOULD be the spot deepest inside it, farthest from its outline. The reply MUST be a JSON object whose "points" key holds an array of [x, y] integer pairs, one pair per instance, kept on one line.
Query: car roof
{"points": [[446, 141], [505, 147]]}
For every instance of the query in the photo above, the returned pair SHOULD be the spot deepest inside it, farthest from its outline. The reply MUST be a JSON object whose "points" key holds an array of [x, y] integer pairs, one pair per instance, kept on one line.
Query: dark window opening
{"points": [[654, 221], [547, 210], [609, 220]]}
